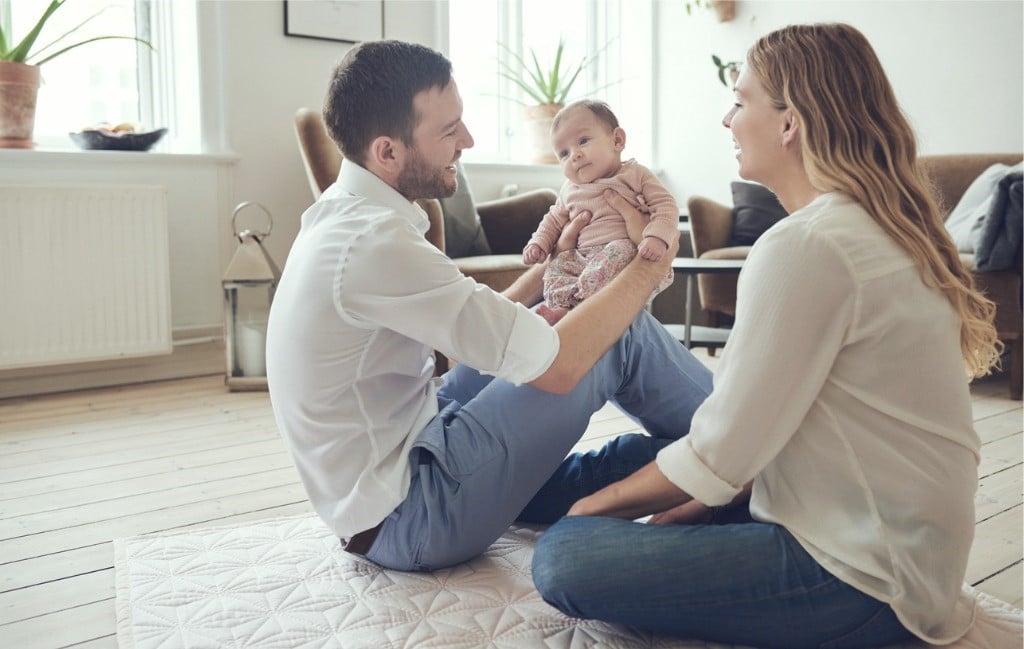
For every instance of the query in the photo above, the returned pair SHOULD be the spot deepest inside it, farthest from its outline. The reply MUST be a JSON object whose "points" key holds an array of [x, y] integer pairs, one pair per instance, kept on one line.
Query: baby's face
{"points": [[587, 148]]}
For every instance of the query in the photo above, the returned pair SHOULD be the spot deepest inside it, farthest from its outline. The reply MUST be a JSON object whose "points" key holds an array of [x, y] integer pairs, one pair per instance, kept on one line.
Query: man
{"points": [[418, 473]]}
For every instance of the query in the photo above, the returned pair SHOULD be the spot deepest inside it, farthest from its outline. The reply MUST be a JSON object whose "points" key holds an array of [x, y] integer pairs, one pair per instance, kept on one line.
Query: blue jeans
{"points": [[479, 464], [743, 582]]}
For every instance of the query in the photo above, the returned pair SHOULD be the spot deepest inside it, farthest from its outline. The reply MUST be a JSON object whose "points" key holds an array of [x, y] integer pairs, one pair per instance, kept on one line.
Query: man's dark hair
{"points": [[371, 93]]}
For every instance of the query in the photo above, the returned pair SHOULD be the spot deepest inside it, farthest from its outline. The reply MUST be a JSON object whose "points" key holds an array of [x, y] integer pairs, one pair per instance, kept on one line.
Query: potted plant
{"points": [[732, 68], [19, 75], [548, 86], [725, 10]]}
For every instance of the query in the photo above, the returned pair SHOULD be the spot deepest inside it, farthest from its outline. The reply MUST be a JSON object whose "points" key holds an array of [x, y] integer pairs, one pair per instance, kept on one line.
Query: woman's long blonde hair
{"points": [[856, 140]]}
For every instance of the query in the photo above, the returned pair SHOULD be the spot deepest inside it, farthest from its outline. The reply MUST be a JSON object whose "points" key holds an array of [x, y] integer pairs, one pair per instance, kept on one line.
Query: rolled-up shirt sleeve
{"points": [[401, 282], [794, 312]]}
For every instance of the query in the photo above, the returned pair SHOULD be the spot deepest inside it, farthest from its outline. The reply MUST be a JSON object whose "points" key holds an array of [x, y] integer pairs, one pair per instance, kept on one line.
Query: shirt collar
{"points": [[355, 180]]}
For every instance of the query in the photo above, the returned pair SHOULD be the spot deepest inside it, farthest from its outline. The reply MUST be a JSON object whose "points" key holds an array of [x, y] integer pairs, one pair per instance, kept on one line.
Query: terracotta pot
{"points": [[538, 126], [725, 10], [19, 85]]}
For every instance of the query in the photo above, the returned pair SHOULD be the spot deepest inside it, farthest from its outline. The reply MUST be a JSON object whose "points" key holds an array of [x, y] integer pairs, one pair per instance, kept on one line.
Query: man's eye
{"points": [[562, 154]]}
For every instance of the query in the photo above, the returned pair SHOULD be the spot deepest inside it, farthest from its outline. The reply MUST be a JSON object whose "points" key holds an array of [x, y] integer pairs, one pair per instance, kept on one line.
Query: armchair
{"points": [[507, 223], [711, 223]]}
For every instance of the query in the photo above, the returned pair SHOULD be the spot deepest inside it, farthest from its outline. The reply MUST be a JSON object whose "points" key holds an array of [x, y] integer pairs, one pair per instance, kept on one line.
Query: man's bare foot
{"points": [[551, 315]]}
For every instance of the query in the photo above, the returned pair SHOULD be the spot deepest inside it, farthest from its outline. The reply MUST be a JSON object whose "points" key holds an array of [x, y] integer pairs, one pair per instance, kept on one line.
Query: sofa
{"points": [[950, 175]]}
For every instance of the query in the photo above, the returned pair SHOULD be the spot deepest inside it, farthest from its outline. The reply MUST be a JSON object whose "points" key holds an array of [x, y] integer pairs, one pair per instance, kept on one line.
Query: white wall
{"points": [[956, 67], [266, 77]]}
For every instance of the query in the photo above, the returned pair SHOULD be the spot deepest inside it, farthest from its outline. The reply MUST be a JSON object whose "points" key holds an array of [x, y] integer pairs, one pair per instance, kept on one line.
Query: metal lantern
{"points": [[249, 284]]}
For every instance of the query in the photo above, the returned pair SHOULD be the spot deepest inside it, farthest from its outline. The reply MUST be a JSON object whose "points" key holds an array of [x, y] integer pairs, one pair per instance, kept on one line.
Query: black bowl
{"points": [[113, 142]]}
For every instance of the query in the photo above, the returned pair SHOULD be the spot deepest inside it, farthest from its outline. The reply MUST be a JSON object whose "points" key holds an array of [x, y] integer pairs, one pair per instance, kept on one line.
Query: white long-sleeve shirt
{"points": [[842, 392], [362, 303]]}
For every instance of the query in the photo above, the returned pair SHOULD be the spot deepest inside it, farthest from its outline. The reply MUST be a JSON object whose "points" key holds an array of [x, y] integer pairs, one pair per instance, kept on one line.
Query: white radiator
{"points": [[84, 274]]}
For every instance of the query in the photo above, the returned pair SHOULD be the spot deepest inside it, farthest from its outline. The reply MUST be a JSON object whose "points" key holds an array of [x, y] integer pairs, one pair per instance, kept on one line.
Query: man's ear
{"points": [[790, 128], [385, 154], [619, 138]]}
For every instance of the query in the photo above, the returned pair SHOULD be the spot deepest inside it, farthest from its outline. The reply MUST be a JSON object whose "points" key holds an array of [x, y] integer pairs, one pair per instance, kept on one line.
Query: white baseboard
{"points": [[197, 352]]}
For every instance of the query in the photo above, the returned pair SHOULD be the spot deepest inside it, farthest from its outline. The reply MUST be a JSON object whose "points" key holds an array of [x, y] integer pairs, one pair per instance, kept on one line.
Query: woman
{"points": [[841, 396]]}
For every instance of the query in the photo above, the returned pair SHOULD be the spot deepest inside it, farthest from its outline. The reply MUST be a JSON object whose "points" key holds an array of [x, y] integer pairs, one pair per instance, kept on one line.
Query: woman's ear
{"points": [[619, 138], [790, 128]]}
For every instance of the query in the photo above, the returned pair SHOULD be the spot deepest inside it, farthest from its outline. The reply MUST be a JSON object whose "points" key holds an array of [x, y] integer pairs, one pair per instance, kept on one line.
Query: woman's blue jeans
{"points": [[733, 581]]}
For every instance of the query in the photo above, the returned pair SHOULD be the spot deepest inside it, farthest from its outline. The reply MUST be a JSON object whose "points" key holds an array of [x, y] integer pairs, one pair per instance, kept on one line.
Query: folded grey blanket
{"points": [[1001, 230]]}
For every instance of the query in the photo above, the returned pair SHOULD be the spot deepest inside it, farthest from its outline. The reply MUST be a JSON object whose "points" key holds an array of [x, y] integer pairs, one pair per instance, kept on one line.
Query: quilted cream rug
{"points": [[286, 583]]}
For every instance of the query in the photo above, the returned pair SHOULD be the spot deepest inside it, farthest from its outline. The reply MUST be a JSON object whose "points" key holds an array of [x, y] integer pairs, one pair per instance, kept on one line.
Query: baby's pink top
{"points": [[633, 180]]}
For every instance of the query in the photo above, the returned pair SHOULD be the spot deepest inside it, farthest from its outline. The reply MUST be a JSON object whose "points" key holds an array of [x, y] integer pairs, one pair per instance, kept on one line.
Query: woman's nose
{"points": [[727, 118]]}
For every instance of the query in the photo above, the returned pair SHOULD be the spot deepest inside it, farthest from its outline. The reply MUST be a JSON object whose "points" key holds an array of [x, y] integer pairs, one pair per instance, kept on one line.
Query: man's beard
{"points": [[418, 180]]}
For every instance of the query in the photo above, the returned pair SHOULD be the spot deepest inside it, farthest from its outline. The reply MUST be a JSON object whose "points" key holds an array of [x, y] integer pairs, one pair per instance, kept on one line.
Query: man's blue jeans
{"points": [[480, 462]]}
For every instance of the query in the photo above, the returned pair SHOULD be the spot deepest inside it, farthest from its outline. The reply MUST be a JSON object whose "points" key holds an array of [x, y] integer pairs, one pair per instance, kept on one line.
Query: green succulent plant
{"points": [[23, 51], [724, 67], [545, 85]]}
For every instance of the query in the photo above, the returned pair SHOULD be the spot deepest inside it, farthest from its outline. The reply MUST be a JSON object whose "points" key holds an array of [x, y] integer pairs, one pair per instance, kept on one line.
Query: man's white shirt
{"points": [[362, 303]]}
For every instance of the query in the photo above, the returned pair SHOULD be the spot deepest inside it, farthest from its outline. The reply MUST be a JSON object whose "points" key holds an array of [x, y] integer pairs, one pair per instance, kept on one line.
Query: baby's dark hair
{"points": [[600, 110]]}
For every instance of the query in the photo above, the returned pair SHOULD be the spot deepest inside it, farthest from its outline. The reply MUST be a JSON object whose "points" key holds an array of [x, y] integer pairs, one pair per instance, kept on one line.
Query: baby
{"points": [[588, 143]]}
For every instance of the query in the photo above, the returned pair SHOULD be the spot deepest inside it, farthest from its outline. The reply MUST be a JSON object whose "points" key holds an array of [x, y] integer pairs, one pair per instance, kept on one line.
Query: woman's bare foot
{"points": [[551, 315]]}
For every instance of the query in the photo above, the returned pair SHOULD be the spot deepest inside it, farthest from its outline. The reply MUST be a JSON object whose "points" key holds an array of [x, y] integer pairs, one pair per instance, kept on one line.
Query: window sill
{"points": [[518, 166], [44, 156]]}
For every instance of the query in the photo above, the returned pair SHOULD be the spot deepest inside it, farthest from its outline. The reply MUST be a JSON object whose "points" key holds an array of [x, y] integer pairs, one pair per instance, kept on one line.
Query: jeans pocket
{"points": [[881, 629]]}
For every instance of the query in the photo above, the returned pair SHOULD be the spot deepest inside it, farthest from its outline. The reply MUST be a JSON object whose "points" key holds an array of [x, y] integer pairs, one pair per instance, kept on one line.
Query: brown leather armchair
{"points": [[951, 175], [507, 222]]}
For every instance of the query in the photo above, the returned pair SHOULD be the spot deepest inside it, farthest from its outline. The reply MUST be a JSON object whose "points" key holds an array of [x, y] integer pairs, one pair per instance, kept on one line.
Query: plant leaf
{"points": [[539, 78], [71, 31], [92, 40], [20, 52], [717, 61]]}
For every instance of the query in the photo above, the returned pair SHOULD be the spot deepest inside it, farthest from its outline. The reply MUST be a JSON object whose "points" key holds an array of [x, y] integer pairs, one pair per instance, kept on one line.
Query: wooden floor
{"points": [[80, 469]]}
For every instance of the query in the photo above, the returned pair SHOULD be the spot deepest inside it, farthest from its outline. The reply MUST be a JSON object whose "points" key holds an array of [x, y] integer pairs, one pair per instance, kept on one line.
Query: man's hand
{"points": [[534, 254], [652, 248], [635, 220], [571, 232]]}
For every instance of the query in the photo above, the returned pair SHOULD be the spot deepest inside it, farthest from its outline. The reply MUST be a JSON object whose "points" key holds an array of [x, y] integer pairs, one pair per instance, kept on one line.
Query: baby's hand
{"points": [[652, 248], [534, 254]]}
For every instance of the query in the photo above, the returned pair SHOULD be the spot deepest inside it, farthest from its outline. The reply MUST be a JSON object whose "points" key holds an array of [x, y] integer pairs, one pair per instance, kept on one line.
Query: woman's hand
{"points": [[696, 512], [691, 513], [644, 492]]}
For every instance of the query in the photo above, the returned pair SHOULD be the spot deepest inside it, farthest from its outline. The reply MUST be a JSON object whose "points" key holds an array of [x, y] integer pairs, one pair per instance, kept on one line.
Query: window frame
{"points": [[623, 74]]}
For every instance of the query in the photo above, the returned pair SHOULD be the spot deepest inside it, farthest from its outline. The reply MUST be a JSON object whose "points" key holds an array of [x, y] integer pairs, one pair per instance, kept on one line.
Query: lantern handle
{"points": [[234, 217]]}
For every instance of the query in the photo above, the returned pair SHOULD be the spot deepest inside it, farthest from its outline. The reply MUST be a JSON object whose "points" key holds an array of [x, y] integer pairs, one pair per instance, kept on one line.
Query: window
{"points": [[114, 81], [615, 35]]}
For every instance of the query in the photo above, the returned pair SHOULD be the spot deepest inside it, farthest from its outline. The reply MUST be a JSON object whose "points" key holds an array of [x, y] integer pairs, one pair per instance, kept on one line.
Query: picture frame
{"points": [[344, 21]]}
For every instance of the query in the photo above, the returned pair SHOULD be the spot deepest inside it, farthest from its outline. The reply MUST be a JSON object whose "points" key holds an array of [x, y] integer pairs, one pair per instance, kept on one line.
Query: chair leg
{"points": [[1016, 353]]}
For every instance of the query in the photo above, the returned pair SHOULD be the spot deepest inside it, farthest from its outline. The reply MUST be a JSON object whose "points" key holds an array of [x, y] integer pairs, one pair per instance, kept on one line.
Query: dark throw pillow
{"points": [[755, 209], [463, 234]]}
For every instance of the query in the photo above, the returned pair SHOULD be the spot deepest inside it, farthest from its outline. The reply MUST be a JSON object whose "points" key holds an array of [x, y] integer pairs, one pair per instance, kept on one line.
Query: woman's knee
{"points": [[560, 565]]}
